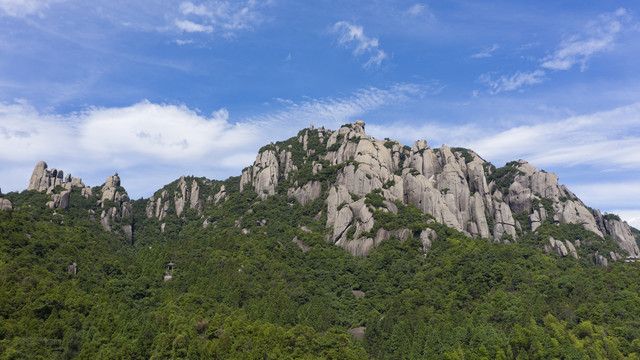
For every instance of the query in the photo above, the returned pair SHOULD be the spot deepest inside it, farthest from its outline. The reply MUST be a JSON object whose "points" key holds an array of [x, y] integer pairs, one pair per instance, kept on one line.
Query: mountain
{"points": [[446, 256]]}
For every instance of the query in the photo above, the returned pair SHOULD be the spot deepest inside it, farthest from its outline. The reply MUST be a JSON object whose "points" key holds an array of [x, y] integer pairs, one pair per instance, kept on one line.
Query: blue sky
{"points": [[156, 89]]}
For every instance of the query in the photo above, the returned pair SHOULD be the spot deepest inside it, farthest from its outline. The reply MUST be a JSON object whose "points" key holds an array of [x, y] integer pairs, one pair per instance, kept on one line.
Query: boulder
{"points": [[307, 193], [5, 204], [558, 246]]}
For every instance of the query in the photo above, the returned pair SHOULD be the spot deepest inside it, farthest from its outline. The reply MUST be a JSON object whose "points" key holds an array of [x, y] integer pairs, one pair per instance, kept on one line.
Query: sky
{"points": [[158, 89]]}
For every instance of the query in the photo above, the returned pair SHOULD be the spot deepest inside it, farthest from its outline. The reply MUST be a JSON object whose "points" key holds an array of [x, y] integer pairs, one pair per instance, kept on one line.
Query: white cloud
{"points": [[226, 18], [183, 42], [631, 216], [153, 144], [351, 35], [486, 52], [335, 112], [624, 194], [21, 8], [513, 82], [607, 139], [578, 49], [416, 9], [190, 26]]}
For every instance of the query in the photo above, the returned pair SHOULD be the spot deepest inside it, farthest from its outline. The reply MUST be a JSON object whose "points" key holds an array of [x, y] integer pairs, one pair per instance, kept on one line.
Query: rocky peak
{"points": [[43, 179], [454, 185], [187, 191]]}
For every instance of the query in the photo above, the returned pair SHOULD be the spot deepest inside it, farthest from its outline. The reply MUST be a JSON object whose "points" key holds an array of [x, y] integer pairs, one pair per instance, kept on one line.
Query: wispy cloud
{"points": [[190, 26], [599, 36], [165, 136], [353, 36], [333, 112], [21, 8], [486, 52], [513, 82], [226, 18], [587, 139]]}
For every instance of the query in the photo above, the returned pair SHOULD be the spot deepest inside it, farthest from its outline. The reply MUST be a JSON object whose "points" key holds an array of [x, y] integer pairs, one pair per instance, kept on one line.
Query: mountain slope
{"points": [[248, 268]]}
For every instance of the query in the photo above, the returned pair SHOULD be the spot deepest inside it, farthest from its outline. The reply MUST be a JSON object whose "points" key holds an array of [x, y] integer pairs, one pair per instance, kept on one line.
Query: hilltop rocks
{"points": [[119, 214], [187, 192], [455, 185], [47, 180], [263, 175]]}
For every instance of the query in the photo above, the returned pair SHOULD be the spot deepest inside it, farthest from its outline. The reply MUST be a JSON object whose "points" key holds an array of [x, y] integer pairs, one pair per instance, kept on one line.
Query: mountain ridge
{"points": [[347, 169]]}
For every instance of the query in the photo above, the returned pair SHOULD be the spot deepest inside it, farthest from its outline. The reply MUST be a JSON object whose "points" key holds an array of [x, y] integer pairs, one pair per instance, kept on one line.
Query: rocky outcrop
{"points": [[43, 179], [307, 193], [619, 232], [117, 213], [187, 193], [5, 204], [600, 260], [427, 236], [455, 185], [263, 175], [220, 195], [572, 249], [558, 246], [60, 200]]}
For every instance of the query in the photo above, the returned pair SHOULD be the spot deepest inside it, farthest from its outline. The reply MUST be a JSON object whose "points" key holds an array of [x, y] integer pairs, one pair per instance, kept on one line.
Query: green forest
{"points": [[255, 294]]}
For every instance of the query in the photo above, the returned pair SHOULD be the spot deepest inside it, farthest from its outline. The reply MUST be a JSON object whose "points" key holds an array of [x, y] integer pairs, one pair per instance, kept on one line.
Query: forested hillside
{"points": [[248, 267]]}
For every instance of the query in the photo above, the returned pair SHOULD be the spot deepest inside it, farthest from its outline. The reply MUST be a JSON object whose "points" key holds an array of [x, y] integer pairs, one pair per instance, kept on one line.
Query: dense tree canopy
{"points": [[255, 294]]}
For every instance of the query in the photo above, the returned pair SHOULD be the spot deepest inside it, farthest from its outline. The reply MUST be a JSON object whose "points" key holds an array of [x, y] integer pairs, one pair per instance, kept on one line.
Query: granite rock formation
{"points": [[455, 185]]}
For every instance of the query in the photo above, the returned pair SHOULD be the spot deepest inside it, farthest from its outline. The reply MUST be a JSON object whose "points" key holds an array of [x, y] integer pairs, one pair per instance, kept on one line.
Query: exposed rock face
{"points": [[558, 246], [5, 204], [186, 193], [455, 185], [73, 269], [601, 260], [307, 193], [47, 180], [427, 236], [60, 200], [221, 195], [120, 213], [263, 175], [572, 249]]}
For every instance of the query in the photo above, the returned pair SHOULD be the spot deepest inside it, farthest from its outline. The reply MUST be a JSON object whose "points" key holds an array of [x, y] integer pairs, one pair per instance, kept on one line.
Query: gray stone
{"points": [[5, 204], [307, 193]]}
